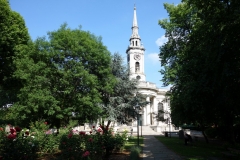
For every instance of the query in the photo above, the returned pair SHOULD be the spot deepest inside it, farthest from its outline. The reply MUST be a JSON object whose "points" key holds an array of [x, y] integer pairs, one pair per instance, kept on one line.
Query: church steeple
{"points": [[135, 52], [135, 25]]}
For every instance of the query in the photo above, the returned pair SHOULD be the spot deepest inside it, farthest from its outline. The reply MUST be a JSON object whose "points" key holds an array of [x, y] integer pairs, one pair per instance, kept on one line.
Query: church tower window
{"points": [[138, 77], [136, 43], [137, 67]]}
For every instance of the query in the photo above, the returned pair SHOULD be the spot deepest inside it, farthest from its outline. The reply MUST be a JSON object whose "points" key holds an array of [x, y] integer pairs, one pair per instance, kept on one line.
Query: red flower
{"points": [[87, 153], [1, 129], [27, 133], [82, 133], [70, 135], [18, 129], [12, 130], [99, 130], [11, 136], [45, 123], [90, 139]]}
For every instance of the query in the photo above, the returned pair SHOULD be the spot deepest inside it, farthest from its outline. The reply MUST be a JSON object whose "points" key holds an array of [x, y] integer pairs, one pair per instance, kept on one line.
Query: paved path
{"points": [[153, 149]]}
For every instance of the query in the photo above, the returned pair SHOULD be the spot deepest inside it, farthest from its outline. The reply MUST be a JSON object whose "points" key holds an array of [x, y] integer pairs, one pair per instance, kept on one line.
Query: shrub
{"points": [[66, 144], [135, 151], [211, 132], [17, 146]]}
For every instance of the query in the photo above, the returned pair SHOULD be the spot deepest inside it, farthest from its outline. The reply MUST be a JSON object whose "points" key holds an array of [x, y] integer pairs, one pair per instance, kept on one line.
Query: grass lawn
{"points": [[198, 150], [133, 142], [131, 146]]}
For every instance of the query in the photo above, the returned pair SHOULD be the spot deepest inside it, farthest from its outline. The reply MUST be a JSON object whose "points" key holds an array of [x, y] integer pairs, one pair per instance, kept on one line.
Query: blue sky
{"points": [[110, 19]]}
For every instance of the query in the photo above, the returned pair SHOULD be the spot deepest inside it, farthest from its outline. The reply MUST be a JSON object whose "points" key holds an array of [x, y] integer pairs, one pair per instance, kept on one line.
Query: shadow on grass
{"points": [[198, 150]]}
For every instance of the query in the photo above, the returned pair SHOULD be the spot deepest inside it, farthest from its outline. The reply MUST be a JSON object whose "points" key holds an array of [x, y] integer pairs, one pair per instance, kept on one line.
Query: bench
{"points": [[170, 133]]}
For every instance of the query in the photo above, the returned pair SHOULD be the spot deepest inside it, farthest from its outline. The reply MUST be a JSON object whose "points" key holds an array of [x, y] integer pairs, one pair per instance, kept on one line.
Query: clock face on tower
{"points": [[137, 57]]}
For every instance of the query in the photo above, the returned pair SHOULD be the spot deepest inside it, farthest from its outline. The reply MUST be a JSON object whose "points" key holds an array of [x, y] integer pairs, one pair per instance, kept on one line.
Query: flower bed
{"points": [[38, 142]]}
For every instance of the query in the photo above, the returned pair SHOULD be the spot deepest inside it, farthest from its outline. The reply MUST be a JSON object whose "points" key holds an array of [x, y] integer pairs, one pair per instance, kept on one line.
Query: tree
{"points": [[64, 77], [13, 34], [201, 61], [119, 104]]}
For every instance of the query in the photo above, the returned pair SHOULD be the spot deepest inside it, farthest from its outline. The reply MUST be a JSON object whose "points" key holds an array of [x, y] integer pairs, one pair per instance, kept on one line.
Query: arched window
{"points": [[137, 67], [160, 112], [133, 43], [136, 43]]}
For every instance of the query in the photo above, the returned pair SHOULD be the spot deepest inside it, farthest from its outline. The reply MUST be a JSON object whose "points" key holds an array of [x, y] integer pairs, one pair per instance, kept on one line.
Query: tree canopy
{"points": [[119, 104], [13, 35], [201, 61], [64, 76]]}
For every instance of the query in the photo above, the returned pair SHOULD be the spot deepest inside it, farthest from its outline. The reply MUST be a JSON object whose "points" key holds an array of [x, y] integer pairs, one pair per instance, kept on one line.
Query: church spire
{"points": [[135, 18], [135, 25], [135, 52]]}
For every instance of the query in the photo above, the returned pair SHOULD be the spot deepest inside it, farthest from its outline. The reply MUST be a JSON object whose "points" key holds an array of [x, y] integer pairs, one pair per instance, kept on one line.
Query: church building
{"points": [[156, 96]]}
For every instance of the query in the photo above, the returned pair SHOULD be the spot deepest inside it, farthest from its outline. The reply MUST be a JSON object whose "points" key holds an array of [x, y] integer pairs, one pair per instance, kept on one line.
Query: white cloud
{"points": [[160, 41], [153, 57]]}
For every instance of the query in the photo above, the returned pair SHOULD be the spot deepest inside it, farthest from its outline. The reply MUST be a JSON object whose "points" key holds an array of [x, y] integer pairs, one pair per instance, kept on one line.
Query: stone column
{"points": [[155, 110], [144, 116], [148, 112]]}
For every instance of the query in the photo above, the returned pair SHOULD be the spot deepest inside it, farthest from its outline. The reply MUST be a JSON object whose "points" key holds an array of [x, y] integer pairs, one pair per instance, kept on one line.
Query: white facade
{"points": [[156, 97]]}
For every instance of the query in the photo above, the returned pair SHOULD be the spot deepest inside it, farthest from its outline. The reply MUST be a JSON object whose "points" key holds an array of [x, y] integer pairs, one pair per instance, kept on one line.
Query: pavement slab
{"points": [[153, 149]]}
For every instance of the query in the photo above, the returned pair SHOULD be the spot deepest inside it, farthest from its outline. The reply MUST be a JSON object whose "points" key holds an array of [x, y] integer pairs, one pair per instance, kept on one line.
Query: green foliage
{"points": [[38, 142], [14, 145], [135, 152], [71, 146], [211, 132], [64, 77], [13, 35], [119, 104], [201, 61]]}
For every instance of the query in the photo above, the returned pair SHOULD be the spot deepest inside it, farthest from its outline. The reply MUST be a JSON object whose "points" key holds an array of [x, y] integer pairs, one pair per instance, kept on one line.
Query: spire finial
{"points": [[135, 17]]}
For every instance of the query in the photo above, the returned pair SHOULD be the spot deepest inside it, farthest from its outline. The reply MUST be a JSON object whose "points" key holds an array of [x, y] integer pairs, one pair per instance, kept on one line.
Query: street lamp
{"points": [[168, 122], [137, 108]]}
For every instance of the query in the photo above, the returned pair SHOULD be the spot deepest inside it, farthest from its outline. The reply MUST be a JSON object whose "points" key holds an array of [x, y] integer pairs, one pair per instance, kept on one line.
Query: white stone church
{"points": [[156, 96]]}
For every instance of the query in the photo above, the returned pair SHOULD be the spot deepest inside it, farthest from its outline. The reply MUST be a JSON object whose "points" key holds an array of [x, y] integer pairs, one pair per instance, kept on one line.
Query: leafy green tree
{"points": [[201, 61], [13, 34], [64, 77], [119, 104]]}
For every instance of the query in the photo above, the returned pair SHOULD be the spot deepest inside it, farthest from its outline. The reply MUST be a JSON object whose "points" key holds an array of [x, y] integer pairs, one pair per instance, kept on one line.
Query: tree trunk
{"points": [[108, 124]]}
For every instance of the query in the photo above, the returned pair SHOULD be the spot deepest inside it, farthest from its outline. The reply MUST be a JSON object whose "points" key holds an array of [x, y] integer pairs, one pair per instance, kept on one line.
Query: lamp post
{"points": [[137, 109], [169, 123]]}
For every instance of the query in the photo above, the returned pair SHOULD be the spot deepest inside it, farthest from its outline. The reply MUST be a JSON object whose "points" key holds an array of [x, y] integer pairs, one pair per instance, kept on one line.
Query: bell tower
{"points": [[135, 52]]}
